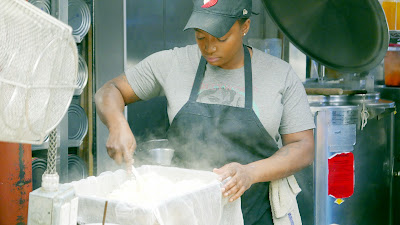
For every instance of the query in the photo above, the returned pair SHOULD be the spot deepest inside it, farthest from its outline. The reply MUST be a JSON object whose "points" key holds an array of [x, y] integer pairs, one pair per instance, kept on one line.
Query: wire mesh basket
{"points": [[38, 72]]}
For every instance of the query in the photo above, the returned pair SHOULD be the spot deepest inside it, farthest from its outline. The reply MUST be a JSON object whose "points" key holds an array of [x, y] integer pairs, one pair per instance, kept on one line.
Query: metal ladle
{"points": [[140, 181]]}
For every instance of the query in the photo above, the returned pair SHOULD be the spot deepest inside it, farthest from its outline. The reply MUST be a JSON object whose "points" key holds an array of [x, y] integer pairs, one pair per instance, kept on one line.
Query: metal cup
{"points": [[161, 156], [157, 152]]}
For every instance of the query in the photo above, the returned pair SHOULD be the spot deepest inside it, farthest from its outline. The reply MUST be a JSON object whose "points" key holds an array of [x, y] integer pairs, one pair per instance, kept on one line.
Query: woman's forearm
{"points": [[297, 153], [286, 161], [110, 103]]}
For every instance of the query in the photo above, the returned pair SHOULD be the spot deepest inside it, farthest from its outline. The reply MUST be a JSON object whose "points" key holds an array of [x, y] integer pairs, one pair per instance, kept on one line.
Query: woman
{"points": [[231, 107]]}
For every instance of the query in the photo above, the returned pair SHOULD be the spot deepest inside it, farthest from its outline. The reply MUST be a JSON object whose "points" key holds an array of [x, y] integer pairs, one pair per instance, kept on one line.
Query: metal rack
{"points": [[60, 9]]}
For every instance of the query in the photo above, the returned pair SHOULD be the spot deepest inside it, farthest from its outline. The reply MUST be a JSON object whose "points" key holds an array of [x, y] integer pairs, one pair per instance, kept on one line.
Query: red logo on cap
{"points": [[209, 3]]}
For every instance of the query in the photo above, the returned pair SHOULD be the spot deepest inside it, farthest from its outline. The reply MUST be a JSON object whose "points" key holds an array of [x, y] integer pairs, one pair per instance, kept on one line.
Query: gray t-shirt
{"points": [[279, 98]]}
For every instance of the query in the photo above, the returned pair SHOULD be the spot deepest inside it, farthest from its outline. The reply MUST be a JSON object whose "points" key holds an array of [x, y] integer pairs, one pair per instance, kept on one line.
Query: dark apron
{"points": [[207, 136]]}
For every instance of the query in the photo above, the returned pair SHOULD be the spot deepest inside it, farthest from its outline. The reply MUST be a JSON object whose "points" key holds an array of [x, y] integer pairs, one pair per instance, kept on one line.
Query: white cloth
{"points": [[282, 196], [203, 205]]}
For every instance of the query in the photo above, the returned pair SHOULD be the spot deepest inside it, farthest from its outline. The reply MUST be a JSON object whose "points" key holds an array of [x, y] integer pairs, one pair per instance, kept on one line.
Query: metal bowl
{"points": [[157, 152], [161, 156], [77, 125], [155, 143]]}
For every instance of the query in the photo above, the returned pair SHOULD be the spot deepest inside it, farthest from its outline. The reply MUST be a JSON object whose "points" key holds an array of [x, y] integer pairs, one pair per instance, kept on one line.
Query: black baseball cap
{"points": [[216, 17]]}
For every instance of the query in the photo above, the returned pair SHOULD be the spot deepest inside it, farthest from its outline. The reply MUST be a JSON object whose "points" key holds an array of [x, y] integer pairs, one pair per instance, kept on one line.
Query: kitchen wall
{"points": [[109, 61], [155, 25]]}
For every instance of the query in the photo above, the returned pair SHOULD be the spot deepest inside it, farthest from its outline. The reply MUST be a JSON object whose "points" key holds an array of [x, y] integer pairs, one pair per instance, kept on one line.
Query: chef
{"points": [[232, 108]]}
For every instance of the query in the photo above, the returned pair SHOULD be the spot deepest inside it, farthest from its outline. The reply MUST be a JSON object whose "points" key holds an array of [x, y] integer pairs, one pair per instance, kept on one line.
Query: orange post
{"points": [[15, 182]]}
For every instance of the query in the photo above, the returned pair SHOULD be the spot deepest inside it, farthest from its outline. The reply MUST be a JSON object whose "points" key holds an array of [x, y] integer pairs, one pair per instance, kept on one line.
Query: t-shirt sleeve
{"points": [[296, 114], [146, 77]]}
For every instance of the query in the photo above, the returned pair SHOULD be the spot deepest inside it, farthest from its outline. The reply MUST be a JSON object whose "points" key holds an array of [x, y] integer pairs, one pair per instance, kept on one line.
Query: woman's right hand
{"points": [[111, 100], [121, 144]]}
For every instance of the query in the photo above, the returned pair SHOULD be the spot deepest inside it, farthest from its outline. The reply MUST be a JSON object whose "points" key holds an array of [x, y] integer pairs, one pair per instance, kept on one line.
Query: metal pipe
{"points": [[321, 73]]}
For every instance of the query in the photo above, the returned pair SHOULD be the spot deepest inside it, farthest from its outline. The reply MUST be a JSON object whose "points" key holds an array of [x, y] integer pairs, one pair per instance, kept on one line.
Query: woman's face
{"points": [[225, 52]]}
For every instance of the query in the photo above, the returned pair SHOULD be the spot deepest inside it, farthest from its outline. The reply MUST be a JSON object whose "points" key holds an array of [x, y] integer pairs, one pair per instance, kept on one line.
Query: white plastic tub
{"points": [[201, 206]]}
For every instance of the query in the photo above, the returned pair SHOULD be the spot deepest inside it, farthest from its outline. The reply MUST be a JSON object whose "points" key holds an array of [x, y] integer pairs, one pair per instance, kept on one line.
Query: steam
{"points": [[206, 154]]}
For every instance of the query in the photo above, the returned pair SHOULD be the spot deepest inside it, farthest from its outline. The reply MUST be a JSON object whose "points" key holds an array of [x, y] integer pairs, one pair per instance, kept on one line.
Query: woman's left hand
{"points": [[240, 181]]}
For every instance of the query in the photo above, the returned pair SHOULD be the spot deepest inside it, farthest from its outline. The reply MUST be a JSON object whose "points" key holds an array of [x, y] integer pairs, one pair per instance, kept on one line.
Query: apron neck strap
{"points": [[248, 80]]}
